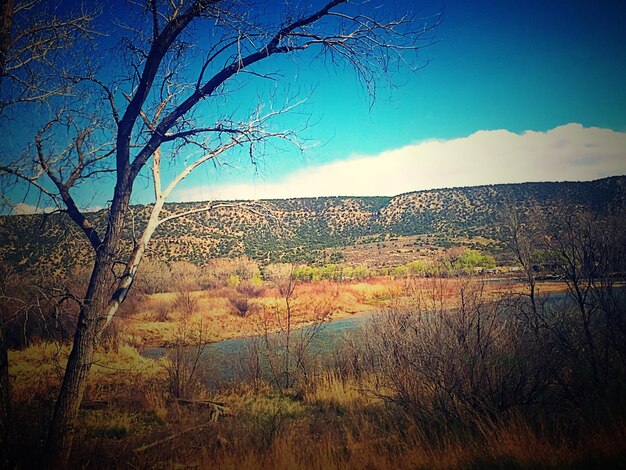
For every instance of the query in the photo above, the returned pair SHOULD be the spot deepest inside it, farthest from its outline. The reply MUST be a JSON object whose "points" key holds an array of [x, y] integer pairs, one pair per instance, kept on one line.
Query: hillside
{"points": [[303, 229]]}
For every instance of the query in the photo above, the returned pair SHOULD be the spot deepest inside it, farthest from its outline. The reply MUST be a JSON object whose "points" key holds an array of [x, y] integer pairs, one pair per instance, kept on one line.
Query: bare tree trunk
{"points": [[5, 403], [91, 323], [287, 352], [61, 432]]}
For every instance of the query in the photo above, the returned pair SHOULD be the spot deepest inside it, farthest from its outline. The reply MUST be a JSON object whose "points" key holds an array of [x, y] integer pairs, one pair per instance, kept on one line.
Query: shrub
{"points": [[162, 310], [185, 275], [242, 304], [455, 366], [233, 280], [249, 289], [185, 303], [183, 363]]}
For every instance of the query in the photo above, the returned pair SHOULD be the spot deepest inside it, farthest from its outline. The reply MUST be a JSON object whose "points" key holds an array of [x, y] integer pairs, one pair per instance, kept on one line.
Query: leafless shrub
{"points": [[250, 290], [453, 366], [153, 276], [162, 310], [33, 309], [183, 361], [241, 304], [217, 271], [250, 361], [185, 303], [583, 335], [185, 276], [241, 299]]}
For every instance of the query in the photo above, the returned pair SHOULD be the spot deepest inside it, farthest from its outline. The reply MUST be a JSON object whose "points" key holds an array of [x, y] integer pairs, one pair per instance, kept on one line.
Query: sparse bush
{"points": [[153, 276], [183, 361], [250, 289], [185, 303], [162, 309], [456, 366], [242, 304], [31, 310], [185, 276], [241, 299]]}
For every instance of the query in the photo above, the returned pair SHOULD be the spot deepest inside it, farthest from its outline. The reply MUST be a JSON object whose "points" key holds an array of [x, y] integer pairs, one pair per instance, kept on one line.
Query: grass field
{"points": [[367, 409]]}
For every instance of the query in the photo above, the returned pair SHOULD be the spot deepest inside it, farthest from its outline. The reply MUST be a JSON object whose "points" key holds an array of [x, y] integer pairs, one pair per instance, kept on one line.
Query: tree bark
{"points": [[91, 324], [61, 433], [5, 404]]}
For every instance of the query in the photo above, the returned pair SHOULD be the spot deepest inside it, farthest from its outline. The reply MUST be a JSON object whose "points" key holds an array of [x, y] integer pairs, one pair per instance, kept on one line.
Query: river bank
{"points": [[159, 319]]}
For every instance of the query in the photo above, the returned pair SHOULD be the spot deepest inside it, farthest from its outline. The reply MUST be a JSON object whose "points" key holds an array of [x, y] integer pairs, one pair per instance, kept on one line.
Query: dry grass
{"points": [[36, 372], [331, 423], [156, 316]]}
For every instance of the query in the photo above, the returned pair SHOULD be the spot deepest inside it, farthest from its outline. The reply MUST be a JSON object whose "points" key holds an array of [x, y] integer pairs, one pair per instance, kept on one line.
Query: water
{"points": [[222, 362]]}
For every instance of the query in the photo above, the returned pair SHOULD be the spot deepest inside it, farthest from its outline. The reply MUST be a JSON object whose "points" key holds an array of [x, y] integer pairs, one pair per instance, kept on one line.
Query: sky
{"points": [[508, 92]]}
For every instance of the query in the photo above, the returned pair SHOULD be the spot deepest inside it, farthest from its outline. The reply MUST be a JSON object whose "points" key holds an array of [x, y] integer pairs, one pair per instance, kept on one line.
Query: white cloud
{"points": [[27, 209], [570, 152], [23, 209]]}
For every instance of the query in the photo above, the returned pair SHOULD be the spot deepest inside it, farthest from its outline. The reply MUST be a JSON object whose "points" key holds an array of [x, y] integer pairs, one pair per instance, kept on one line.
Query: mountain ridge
{"points": [[303, 229]]}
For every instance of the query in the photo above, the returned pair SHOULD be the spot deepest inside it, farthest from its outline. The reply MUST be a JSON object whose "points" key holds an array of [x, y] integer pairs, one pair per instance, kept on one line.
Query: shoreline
{"points": [[372, 308]]}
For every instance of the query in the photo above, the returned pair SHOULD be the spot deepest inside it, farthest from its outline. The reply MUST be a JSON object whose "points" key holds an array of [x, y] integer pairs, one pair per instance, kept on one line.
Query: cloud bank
{"points": [[570, 152], [27, 209]]}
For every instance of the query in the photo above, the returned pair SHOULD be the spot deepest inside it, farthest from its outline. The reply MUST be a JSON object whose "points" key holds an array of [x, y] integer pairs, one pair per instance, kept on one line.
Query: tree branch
{"points": [[64, 191]]}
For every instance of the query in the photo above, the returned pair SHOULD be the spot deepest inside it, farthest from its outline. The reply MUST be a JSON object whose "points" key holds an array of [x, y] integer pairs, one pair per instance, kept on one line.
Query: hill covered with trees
{"points": [[307, 229]]}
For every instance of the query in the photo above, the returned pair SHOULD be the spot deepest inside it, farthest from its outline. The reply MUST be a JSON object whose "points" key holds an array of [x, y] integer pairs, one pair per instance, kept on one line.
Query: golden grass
{"points": [[214, 311], [330, 391], [36, 372], [506, 446], [332, 422]]}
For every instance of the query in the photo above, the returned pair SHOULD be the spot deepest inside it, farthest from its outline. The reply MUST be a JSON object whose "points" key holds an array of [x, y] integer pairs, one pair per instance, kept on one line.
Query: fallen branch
{"points": [[170, 438]]}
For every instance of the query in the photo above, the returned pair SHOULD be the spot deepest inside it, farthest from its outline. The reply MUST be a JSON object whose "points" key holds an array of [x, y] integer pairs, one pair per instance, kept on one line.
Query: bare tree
{"points": [[123, 120], [33, 43], [587, 252], [524, 233]]}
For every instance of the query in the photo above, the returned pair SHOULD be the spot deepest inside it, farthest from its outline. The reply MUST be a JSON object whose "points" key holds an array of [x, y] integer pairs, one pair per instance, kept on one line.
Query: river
{"points": [[221, 362]]}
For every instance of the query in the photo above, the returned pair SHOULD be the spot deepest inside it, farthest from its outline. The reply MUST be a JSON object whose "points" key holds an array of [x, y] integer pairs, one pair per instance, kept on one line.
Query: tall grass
{"points": [[447, 377]]}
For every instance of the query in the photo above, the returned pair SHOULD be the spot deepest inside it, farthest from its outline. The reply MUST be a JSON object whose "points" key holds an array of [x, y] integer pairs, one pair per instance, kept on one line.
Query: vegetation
{"points": [[318, 231], [454, 371], [456, 368]]}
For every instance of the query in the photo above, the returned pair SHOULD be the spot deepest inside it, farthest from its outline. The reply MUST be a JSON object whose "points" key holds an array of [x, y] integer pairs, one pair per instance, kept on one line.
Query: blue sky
{"points": [[494, 65], [519, 79]]}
